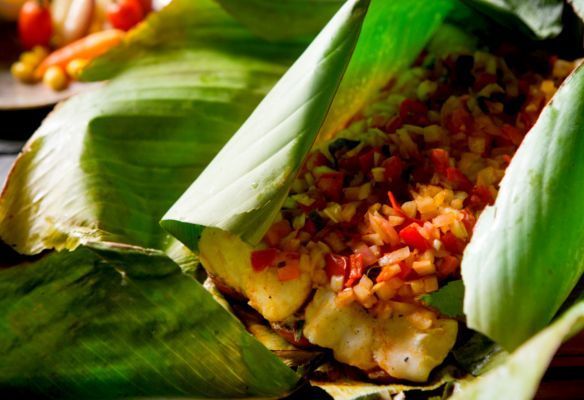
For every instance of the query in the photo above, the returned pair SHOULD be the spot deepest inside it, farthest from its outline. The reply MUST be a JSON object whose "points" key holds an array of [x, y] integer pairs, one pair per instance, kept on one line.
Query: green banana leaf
{"points": [[118, 323], [340, 70], [105, 166], [528, 249], [519, 375], [283, 19], [540, 18]]}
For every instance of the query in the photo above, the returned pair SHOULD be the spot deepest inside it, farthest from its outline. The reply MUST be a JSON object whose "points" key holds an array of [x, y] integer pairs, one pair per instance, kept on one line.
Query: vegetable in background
{"points": [[35, 25], [125, 14]]}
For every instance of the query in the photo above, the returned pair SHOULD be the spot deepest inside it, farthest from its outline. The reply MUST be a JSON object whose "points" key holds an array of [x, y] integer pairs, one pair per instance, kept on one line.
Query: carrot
{"points": [[87, 48]]}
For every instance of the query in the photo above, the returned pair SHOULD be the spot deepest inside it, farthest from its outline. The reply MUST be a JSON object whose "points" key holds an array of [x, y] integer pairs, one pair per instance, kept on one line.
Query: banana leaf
{"points": [[528, 249], [116, 323], [283, 19], [105, 166], [518, 377]]}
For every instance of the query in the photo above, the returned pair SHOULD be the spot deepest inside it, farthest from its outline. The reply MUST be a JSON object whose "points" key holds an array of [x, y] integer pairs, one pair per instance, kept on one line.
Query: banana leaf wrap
{"points": [[98, 186]]}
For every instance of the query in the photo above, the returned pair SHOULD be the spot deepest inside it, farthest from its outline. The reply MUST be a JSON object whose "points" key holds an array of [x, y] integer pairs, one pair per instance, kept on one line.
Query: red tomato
{"points": [[458, 179], [262, 259], [35, 25], [356, 262], [410, 236], [393, 168], [146, 6], [413, 112], [336, 265], [125, 14], [440, 160], [331, 184]]}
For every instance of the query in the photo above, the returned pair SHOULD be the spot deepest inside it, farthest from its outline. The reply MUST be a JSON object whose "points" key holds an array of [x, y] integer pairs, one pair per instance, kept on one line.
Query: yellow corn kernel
{"points": [[299, 221], [348, 211], [424, 267], [364, 191], [430, 284], [418, 286], [378, 174], [426, 89], [384, 291], [459, 230], [409, 207], [23, 72], [477, 144], [333, 212], [55, 78]]}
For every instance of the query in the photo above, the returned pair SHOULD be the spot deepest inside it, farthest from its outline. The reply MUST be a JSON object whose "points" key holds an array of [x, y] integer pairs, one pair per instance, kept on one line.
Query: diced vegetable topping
{"points": [[383, 213]]}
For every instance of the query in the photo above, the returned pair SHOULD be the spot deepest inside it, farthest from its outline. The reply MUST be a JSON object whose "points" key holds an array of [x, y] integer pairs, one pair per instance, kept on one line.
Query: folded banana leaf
{"points": [[113, 323], [119, 320]]}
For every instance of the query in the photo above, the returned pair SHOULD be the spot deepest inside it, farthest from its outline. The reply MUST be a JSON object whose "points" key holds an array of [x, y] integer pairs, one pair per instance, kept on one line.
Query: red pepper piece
{"points": [[512, 133], [336, 265], [331, 184], [406, 271], [394, 168], [393, 124], [483, 80], [440, 159], [452, 243], [262, 259], [480, 197], [448, 266], [366, 160], [413, 238], [356, 265], [458, 179], [414, 112]]}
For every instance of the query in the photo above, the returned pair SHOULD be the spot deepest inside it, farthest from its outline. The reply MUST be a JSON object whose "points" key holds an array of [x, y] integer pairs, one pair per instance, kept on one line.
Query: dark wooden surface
{"points": [[564, 379]]}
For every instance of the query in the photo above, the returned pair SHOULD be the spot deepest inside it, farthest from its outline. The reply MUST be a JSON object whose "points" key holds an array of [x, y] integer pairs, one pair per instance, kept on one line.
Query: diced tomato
{"points": [[394, 168], [412, 237], [406, 271], [483, 80], [289, 271], [468, 220], [262, 259], [331, 184], [452, 243], [356, 272], [458, 179], [368, 256], [459, 121], [512, 133], [440, 159], [413, 112], [366, 160], [277, 232], [448, 266], [393, 124], [480, 197], [336, 265]]}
